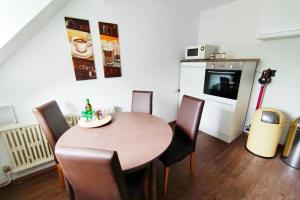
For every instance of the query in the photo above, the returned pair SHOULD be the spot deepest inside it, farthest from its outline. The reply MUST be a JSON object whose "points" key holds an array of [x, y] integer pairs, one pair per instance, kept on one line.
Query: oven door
{"points": [[222, 83]]}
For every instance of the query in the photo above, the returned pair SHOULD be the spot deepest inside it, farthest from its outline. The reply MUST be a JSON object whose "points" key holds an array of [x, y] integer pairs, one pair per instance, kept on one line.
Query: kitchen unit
{"points": [[225, 85]]}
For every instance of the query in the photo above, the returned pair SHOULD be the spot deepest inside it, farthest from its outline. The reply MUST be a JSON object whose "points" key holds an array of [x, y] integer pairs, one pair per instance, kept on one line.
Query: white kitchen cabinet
{"points": [[216, 119], [192, 80], [222, 117]]}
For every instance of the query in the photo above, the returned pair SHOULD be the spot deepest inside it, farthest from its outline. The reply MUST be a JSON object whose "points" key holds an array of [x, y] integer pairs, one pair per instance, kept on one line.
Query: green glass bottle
{"points": [[88, 106]]}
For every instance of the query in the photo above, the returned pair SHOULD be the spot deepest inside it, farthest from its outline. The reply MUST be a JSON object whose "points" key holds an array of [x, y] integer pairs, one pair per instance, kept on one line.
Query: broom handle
{"points": [[261, 93]]}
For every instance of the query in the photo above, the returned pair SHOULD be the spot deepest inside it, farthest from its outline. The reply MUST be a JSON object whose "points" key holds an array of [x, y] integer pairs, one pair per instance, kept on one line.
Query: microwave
{"points": [[201, 51]]}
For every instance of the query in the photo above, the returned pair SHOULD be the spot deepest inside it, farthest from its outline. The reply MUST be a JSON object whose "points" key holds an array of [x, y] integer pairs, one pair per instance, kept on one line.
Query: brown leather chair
{"points": [[142, 101], [53, 125], [185, 136], [93, 174]]}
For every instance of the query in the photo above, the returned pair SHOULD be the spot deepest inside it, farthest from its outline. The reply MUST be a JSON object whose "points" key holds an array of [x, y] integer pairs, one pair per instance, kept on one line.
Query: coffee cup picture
{"points": [[116, 49], [111, 57], [108, 52], [80, 44]]}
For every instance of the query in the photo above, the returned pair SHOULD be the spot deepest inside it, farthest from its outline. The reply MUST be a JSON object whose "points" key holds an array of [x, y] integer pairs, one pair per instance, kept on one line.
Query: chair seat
{"points": [[178, 150], [134, 183]]}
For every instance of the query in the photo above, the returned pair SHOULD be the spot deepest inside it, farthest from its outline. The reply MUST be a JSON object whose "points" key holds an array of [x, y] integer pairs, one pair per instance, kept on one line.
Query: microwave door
{"points": [[192, 52]]}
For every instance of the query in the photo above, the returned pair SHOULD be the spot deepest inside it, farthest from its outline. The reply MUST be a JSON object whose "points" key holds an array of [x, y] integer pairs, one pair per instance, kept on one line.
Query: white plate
{"points": [[96, 123], [87, 54]]}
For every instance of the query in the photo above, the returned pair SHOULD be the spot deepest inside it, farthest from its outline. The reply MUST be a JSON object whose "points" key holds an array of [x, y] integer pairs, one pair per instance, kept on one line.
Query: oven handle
{"points": [[218, 72]]}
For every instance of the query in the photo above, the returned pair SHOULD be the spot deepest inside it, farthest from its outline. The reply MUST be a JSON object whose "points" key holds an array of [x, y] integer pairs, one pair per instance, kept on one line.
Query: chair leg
{"points": [[60, 176], [146, 185], [153, 179], [69, 189], [166, 178], [192, 163]]}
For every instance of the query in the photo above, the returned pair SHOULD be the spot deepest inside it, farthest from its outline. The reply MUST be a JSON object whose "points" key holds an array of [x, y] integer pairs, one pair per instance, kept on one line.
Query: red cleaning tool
{"points": [[264, 80]]}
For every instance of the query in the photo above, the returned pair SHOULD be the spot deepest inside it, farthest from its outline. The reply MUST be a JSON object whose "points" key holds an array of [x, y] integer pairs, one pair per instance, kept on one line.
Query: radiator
{"points": [[72, 119], [28, 146]]}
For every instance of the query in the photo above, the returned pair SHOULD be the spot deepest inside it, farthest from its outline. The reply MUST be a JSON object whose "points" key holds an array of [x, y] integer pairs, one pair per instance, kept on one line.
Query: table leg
{"points": [[153, 180]]}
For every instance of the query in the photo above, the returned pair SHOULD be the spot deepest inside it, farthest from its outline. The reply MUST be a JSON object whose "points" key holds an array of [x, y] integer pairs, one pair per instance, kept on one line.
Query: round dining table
{"points": [[138, 138]]}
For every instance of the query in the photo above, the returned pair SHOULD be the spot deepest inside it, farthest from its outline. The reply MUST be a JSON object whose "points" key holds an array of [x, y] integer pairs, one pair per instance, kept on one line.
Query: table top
{"points": [[138, 138]]}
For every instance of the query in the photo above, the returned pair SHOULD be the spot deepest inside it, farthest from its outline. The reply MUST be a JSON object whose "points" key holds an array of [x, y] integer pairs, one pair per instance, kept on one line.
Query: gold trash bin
{"points": [[265, 131]]}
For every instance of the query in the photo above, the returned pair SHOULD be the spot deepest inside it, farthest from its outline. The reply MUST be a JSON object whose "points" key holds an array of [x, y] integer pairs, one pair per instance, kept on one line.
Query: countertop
{"points": [[223, 60]]}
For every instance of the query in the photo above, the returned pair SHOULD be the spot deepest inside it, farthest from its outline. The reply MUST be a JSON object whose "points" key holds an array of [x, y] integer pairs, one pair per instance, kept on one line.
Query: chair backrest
{"points": [[52, 121], [92, 174], [188, 117], [142, 101]]}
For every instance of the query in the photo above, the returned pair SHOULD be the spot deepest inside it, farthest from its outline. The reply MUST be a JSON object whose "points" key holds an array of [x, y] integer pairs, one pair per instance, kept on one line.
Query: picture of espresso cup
{"points": [[80, 44], [117, 58], [108, 53]]}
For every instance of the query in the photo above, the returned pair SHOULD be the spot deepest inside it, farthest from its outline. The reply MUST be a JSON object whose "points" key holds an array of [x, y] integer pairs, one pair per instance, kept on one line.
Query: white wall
{"points": [[152, 37], [152, 34], [233, 27]]}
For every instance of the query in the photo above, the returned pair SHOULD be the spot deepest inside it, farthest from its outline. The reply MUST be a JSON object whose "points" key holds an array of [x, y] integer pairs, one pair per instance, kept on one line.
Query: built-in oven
{"points": [[222, 79]]}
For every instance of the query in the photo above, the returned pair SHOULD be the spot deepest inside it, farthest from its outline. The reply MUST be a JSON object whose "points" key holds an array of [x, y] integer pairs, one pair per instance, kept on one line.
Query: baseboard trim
{"points": [[3, 178], [23, 178]]}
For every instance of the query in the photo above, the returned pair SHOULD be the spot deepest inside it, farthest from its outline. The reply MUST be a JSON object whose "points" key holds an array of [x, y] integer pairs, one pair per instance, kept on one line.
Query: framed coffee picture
{"points": [[80, 41], [110, 45]]}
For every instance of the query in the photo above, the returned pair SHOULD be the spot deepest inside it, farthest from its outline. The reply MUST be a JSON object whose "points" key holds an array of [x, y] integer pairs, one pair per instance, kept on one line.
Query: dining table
{"points": [[138, 138]]}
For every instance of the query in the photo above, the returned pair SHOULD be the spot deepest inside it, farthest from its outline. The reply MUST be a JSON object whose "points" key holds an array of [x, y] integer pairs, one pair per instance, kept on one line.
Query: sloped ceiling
{"points": [[20, 19], [201, 4]]}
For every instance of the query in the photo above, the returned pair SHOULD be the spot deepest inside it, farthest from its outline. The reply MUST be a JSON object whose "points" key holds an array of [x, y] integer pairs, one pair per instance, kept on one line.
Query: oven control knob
{"points": [[212, 66], [231, 66]]}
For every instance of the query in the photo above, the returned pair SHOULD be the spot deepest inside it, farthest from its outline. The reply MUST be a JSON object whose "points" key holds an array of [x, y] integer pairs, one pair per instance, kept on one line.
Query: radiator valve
{"points": [[6, 169]]}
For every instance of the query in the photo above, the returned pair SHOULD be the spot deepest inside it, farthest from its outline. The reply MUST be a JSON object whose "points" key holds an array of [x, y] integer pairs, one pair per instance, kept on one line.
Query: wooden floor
{"points": [[224, 171]]}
